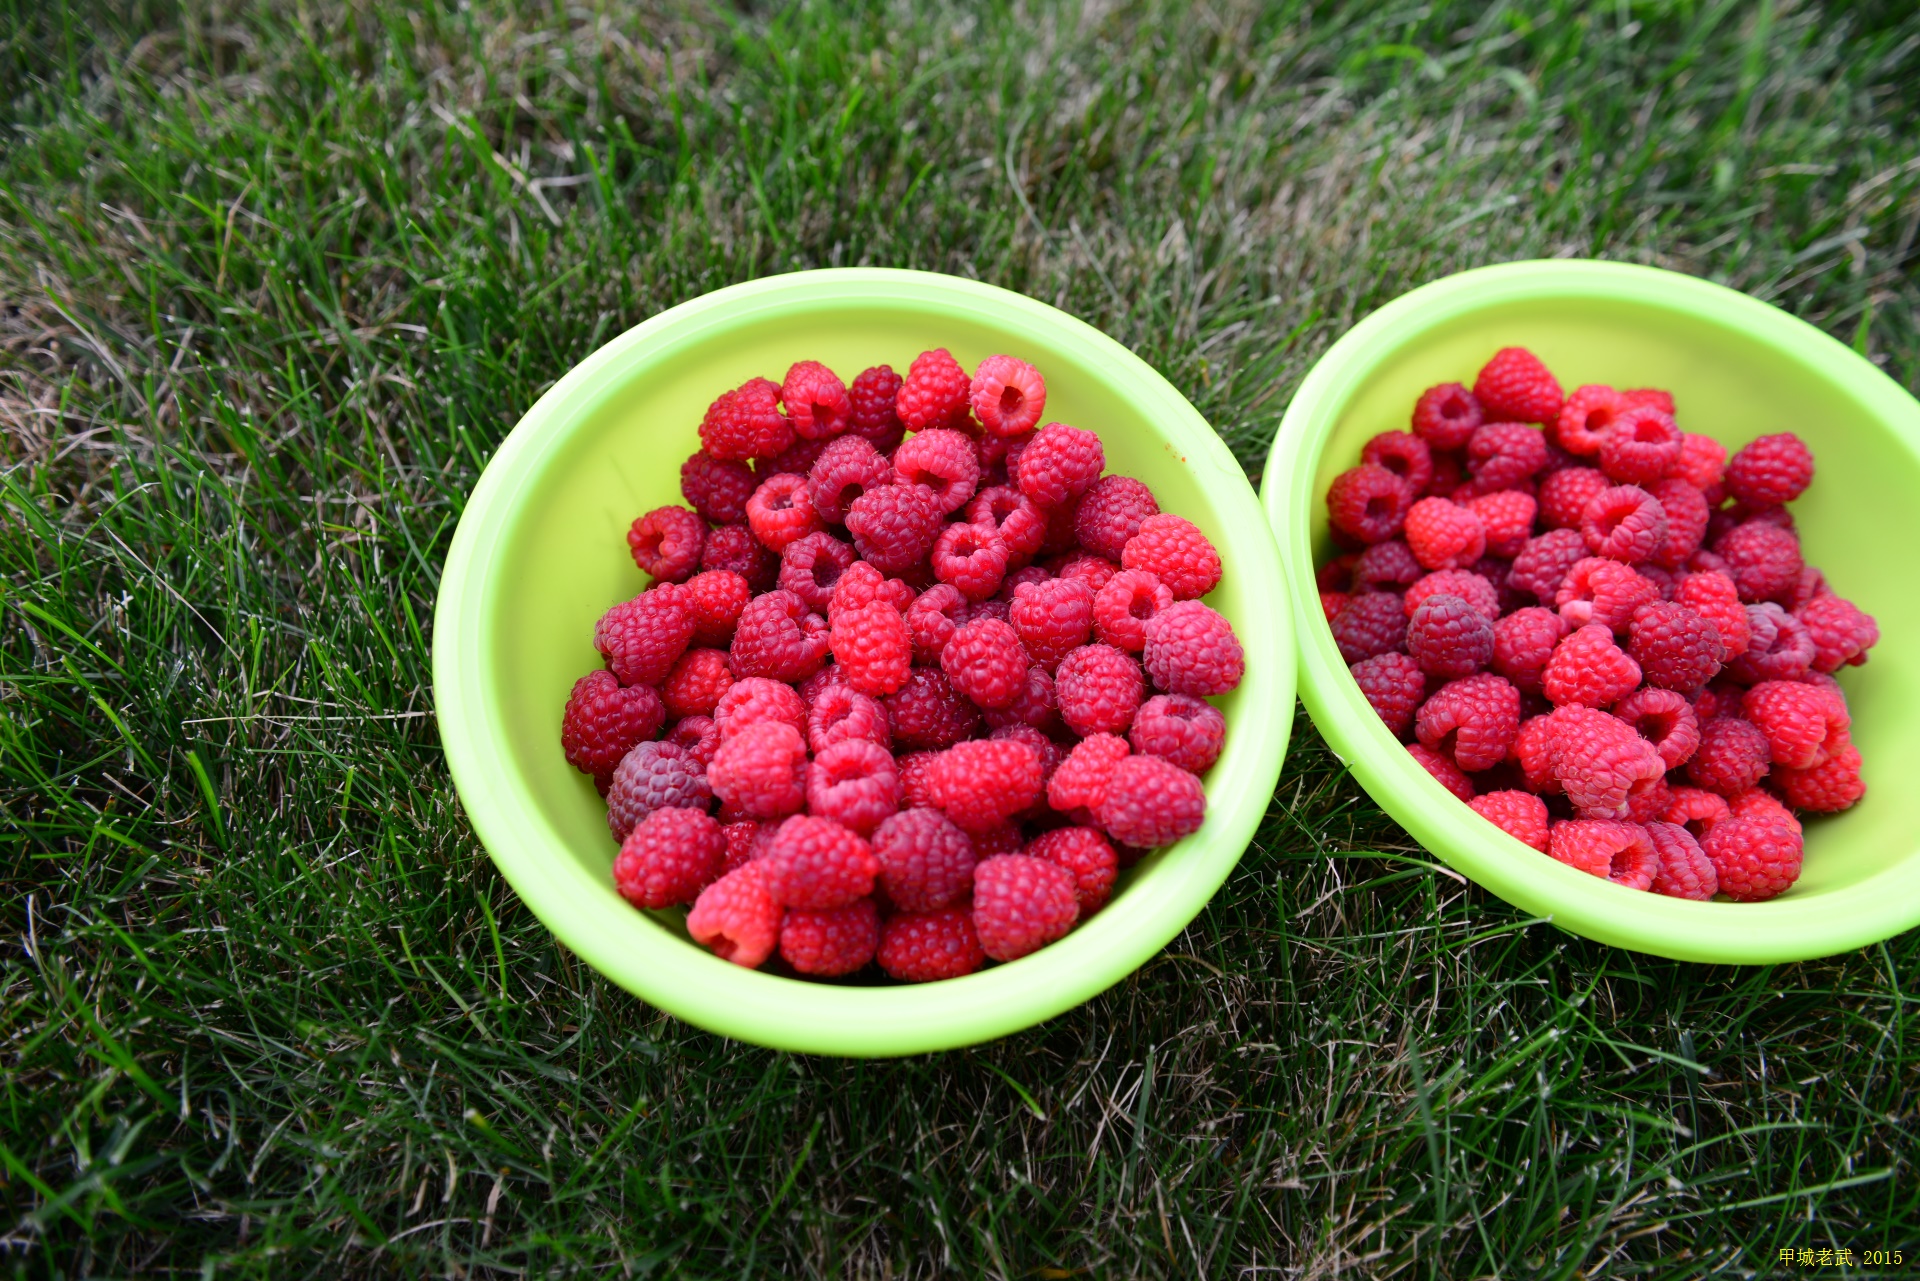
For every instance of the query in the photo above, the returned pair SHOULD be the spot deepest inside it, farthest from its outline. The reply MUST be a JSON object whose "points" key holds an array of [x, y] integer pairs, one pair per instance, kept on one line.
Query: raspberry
{"points": [[845, 469], [1685, 870], [1388, 565], [1472, 721], [1052, 618], [1624, 523], [1129, 600], [871, 413], [1446, 415], [1641, 445], [811, 566], [1444, 771], [1811, 586], [1095, 571], [1394, 686], [972, 558], [1049, 752], [696, 683], [1543, 563], [736, 918], [1762, 559], [781, 511], [756, 700], [1369, 503], [717, 489], [1151, 802], [1008, 395], [1588, 669], [641, 639], [1759, 803], [1612, 850], [1702, 462], [841, 713], [1732, 756], [715, 598], [1754, 858], [1180, 729], [698, 735], [1648, 805], [742, 838], [1828, 787], [1523, 642], [982, 783], [1780, 648], [1521, 815], [1467, 585], [1021, 904], [1501, 455], [668, 858], [1565, 494], [1027, 576], [924, 947], [733, 549], [1448, 477], [1099, 688], [931, 621], [1841, 632], [873, 647], [1082, 779], [1060, 464], [1770, 471], [1190, 649], [1059, 537], [1035, 705], [761, 769], [1369, 625], [1803, 724], [1721, 698], [833, 942], [667, 543], [1686, 512], [1507, 517], [942, 460], [1173, 548], [650, 777], [934, 394], [1604, 592], [817, 864], [1449, 638], [862, 584], [1444, 535], [1533, 753], [986, 663], [1666, 720], [1695, 809], [913, 769], [893, 527], [1111, 513], [927, 712], [1020, 525], [855, 783], [926, 863], [816, 401], [746, 423], [1677, 648], [1713, 596], [1084, 852], [1586, 418], [1599, 762], [778, 638], [1405, 455], [604, 721], [1514, 386]]}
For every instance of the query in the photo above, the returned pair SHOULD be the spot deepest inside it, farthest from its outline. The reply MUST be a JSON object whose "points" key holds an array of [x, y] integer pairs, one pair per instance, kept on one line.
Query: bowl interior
{"points": [[1738, 369], [545, 554]]}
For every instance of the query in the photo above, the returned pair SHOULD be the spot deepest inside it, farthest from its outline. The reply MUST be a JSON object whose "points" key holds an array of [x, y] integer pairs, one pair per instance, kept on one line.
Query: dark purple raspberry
{"points": [[871, 401], [735, 549], [1449, 638], [653, 776], [1543, 563], [1395, 687], [1369, 624], [1388, 565], [929, 713]]}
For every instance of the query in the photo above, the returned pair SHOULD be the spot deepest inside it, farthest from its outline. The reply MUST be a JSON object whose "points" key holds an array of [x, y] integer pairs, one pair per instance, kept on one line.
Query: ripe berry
{"points": [[1624, 523], [1677, 648], [942, 460], [696, 683], [746, 423], [1542, 565], [1804, 724], [873, 647], [871, 413], [817, 864], [928, 712], [1405, 455], [641, 639], [1389, 566], [1521, 815], [1770, 471], [717, 489], [778, 637], [1523, 643], [1443, 771], [1008, 395], [1714, 597], [982, 783], [1111, 513], [1095, 571], [1732, 757], [761, 770], [604, 721], [827, 944], [985, 662], [1515, 387], [1444, 535], [1190, 649], [733, 549], [1394, 685], [1467, 585], [926, 862], [1035, 705], [855, 783], [846, 469], [1754, 858], [1446, 415], [1702, 462], [1828, 787], [1173, 549], [1472, 720], [1449, 638], [1685, 870], [1369, 503], [1128, 601], [1080, 782], [1084, 852], [1596, 590], [1588, 668], [1052, 618], [816, 401], [1508, 519], [923, 947], [1059, 465], [841, 712], [1841, 632], [932, 619], [1599, 762], [1614, 851], [1641, 445], [736, 918], [1779, 647], [781, 510], [972, 558], [755, 700], [934, 394], [1586, 418], [893, 527], [697, 735], [811, 566], [654, 776], [1021, 904], [1501, 455], [1099, 688], [668, 858], [1762, 559], [1179, 728], [1151, 802], [1687, 514]]}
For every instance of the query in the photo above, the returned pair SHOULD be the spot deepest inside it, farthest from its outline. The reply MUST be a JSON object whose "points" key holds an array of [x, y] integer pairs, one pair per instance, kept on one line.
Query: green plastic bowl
{"points": [[1738, 368], [540, 553]]}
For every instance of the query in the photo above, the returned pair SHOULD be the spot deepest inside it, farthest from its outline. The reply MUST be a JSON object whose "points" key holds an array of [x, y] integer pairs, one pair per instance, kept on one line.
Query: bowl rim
{"points": [[1780, 930], [662, 967]]}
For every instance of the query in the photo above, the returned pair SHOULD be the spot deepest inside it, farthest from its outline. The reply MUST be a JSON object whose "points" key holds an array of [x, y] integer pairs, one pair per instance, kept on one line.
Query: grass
{"points": [[275, 280]]}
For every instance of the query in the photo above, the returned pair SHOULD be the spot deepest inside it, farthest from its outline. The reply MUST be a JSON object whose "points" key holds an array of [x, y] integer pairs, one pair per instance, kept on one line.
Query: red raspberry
{"points": [[833, 942], [935, 392], [1599, 762], [667, 543], [1467, 585], [1803, 724], [1702, 462], [746, 423], [604, 721], [1514, 386], [810, 567], [1501, 455], [972, 558], [1444, 535], [741, 838], [1508, 519], [928, 712], [756, 700], [761, 769], [1624, 523], [1059, 465], [855, 783], [1124, 606], [1081, 781], [1759, 803], [818, 864], [1173, 548], [1052, 618], [796, 459], [1586, 418], [1472, 720], [926, 863], [718, 490], [1095, 571], [1111, 513], [1612, 850], [781, 511], [1181, 729], [1099, 688], [696, 683], [816, 401], [1828, 787], [932, 619], [1841, 632], [1405, 455], [733, 549], [1449, 638], [1151, 802], [986, 663], [871, 413], [1533, 753], [1762, 559], [1811, 586], [1446, 415], [1369, 625], [1779, 649], [1687, 514], [894, 526], [924, 947], [1677, 648], [1190, 649], [1641, 445], [1021, 904], [846, 468], [641, 639], [1685, 870], [1008, 395], [943, 461], [873, 647], [1521, 815], [1696, 809], [1732, 756], [777, 637], [1565, 494], [1666, 720], [715, 598], [1587, 668], [650, 777], [1084, 852], [1523, 643], [862, 584], [1369, 503], [1389, 565], [1753, 858], [840, 713], [736, 918], [1770, 471], [982, 783], [914, 767], [1714, 597], [668, 858], [1015, 521], [1604, 592], [1542, 565], [1444, 771], [697, 735], [1035, 705], [1650, 804], [1394, 686]]}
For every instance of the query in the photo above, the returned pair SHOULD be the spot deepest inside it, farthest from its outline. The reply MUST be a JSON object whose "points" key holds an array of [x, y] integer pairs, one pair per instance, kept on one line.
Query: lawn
{"points": [[275, 281]]}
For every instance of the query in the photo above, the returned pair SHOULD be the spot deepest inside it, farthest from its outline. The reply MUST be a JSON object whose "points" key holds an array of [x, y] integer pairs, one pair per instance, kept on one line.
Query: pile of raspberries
{"points": [[1598, 629], [943, 685]]}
